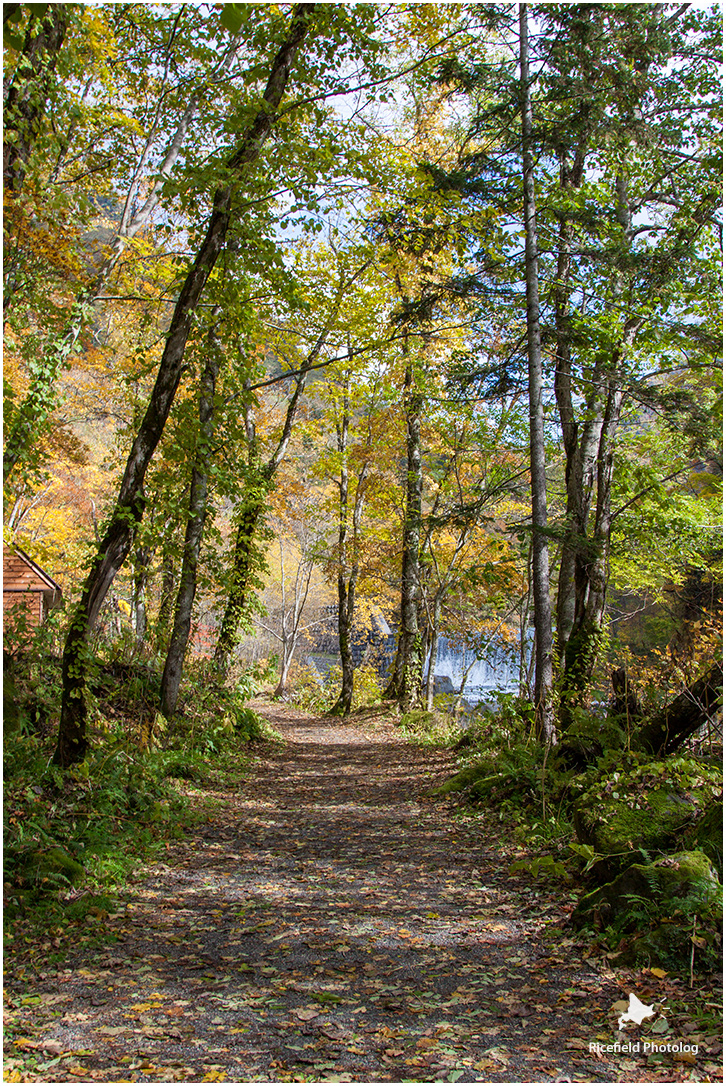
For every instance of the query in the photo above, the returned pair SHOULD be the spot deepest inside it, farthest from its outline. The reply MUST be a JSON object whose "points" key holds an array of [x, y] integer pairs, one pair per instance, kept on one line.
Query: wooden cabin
{"points": [[27, 587]]}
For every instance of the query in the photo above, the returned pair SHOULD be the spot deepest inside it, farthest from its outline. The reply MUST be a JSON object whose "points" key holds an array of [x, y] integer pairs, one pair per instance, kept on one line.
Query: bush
{"points": [[90, 824], [318, 695]]}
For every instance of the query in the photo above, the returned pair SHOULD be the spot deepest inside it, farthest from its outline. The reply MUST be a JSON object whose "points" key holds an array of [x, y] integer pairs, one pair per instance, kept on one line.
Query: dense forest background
{"points": [[332, 324]]}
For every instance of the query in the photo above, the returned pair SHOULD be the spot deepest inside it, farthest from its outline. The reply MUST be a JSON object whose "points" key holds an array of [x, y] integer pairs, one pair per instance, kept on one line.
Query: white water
{"points": [[499, 673]]}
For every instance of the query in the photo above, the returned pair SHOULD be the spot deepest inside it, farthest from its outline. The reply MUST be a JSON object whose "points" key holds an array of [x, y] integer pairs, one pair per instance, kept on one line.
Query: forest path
{"points": [[331, 922]]}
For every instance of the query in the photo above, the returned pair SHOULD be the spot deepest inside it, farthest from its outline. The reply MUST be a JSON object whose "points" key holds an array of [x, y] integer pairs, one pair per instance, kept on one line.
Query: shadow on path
{"points": [[332, 922]]}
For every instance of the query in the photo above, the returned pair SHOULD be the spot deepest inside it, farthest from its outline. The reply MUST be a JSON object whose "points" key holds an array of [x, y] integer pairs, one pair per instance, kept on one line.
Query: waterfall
{"points": [[498, 673]]}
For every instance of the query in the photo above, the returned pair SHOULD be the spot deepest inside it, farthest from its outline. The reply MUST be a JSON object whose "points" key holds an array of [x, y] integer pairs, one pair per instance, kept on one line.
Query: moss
{"points": [[464, 779], [662, 883], [708, 835], [644, 807]]}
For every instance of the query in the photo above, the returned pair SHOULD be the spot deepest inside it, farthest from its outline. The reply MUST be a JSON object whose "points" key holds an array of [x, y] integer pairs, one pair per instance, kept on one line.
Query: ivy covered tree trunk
{"points": [[116, 541], [171, 678], [245, 563], [246, 560], [29, 89], [348, 568], [540, 551]]}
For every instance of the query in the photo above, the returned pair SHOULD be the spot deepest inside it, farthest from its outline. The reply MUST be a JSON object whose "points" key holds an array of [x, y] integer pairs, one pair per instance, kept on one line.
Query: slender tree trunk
{"points": [[171, 678], [411, 655], [348, 568], [585, 573], [434, 651], [166, 603], [405, 682], [141, 574], [288, 649], [72, 739], [540, 552]]}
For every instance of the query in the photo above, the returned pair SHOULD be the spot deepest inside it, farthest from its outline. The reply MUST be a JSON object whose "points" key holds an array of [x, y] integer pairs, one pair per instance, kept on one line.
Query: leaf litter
{"points": [[331, 922]]}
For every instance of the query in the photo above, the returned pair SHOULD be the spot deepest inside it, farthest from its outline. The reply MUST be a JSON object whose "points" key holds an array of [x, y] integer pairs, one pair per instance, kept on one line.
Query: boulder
{"points": [[707, 835], [644, 808], [661, 884]]}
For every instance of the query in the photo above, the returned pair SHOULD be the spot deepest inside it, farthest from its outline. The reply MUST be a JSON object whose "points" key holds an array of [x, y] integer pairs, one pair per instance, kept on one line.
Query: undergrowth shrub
{"points": [[426, 728], [89, 824], [317, 694]]}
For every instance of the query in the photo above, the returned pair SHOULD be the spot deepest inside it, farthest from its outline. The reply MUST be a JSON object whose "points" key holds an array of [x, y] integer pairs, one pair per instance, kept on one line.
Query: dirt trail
{"points": [[333, 923]]}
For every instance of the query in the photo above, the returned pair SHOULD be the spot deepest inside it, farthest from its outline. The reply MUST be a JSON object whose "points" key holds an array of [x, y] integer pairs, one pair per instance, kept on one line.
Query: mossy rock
{"points": [[663, 883], [654, 909], [644, 808], [463, 780], [51, 867], [707, 835]]}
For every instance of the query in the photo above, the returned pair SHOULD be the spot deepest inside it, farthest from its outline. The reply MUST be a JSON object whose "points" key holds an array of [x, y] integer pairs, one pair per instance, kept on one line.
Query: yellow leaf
{"points": [[660, 973]]}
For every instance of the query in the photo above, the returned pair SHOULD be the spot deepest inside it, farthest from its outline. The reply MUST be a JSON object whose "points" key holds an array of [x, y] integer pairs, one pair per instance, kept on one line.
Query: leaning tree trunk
{"points": [[668, 729], [171, 678], [114, 547], [540, 552]]}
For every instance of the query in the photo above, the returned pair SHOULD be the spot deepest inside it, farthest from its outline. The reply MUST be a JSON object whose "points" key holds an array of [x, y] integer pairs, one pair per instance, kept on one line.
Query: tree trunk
{"points": [[166, 603], [540, 552], [29, 90], [288, 650], [242, 573], [347, 570], [411, 657], [171, 678], [346, 608], [434, 651], [72, 741], [141, 573], [667, 730], [254, 502]]}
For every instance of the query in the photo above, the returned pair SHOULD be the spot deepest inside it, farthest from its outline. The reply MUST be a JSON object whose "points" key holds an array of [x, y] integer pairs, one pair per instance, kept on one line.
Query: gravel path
{"points": [[334, 923]]}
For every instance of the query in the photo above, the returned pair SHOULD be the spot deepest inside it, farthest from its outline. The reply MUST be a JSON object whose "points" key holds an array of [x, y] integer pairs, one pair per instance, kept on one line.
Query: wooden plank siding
{"points": [[26, 587]]}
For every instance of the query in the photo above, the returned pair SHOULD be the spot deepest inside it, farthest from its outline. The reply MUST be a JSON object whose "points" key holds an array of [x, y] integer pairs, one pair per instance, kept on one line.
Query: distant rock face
{"points": [[647, 806]]}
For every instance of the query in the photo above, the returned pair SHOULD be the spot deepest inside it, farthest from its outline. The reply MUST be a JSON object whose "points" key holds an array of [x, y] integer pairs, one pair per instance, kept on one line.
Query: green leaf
{"points": [[12, 41], [233, 17]]}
